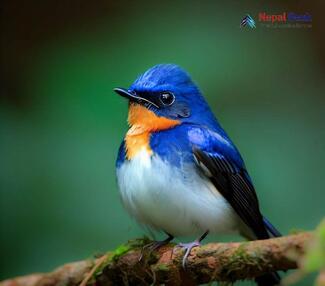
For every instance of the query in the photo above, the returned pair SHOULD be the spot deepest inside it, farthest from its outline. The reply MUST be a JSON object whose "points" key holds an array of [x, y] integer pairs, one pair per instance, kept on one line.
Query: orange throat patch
{"points": [[142, 123]]}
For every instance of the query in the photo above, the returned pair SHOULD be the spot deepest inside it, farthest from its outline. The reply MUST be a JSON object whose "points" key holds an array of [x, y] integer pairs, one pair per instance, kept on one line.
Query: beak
{"points": [[123, 92], [133, 97]]}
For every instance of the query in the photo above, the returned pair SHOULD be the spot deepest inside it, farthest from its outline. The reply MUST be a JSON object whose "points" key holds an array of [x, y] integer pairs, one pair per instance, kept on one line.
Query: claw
{"points": [[188, 247], [152, 246], [149, 245]]}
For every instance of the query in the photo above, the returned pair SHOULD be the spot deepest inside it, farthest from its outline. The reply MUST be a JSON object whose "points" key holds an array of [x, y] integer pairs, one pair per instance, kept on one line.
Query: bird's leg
{"points": [[188, 247], [156, 244]]}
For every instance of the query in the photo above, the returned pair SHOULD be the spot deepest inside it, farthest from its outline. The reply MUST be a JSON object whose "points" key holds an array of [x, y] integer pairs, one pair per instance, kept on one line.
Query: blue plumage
{"points": [[171, 78], [200, 125], [184, 137]]}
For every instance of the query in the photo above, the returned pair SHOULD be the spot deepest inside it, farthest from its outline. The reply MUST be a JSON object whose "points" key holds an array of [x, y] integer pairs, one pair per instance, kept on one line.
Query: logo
{"points": [[248, 21], [278, 20]]}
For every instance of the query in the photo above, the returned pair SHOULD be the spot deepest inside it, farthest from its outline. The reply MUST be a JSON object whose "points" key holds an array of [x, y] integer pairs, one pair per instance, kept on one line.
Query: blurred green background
{"points": [[61, 124]]}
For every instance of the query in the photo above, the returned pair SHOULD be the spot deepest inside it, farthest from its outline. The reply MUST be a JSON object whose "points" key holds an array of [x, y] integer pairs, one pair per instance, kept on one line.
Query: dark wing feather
{"points": [[235, 185]]}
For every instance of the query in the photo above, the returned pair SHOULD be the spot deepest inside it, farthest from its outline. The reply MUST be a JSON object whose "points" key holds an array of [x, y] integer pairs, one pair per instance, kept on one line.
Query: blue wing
{"points": [[219, 159]]}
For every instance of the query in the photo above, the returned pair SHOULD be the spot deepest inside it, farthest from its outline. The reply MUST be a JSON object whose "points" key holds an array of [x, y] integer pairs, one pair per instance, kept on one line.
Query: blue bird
{"points": [[177, 169]]}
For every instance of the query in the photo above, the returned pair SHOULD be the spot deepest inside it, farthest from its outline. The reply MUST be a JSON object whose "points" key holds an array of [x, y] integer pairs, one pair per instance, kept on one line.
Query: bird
{"points": [[177, 169]]}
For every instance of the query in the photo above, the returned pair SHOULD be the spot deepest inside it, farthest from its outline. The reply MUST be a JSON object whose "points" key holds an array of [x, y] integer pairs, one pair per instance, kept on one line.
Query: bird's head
{"points": [[165, 96]]}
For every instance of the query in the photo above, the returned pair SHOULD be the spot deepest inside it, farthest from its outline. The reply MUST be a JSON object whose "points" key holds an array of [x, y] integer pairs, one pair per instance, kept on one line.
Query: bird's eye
{"points": [[167, 98]]}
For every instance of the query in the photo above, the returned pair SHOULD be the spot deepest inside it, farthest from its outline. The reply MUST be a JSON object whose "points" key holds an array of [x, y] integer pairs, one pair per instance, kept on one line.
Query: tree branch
{"points": [[211, 262]]}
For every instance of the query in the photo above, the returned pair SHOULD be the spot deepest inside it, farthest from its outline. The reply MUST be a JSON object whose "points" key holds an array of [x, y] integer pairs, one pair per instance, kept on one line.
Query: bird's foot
{"points": [[154, 246], [188, 247]]}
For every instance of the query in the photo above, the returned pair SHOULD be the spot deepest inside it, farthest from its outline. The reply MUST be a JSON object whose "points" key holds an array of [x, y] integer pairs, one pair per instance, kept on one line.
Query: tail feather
{"points": [[269, 226]]}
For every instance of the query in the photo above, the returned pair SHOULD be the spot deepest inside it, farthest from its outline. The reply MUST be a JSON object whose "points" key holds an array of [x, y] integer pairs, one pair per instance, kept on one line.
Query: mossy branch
{"points": [[211, 262]]}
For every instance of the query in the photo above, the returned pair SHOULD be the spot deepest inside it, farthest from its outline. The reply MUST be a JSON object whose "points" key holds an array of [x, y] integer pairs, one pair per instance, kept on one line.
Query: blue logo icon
{"points": [[248, 21]]}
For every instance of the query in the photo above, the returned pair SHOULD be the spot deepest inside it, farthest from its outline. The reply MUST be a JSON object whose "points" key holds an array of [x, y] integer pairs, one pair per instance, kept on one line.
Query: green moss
{"points": [[130, 245], [162, 267], [239, 260], [122, 249], [239, 254]]}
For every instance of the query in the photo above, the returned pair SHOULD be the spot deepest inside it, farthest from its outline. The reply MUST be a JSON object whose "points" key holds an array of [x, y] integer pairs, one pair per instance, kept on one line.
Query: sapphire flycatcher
{"points": [[177, 169]]}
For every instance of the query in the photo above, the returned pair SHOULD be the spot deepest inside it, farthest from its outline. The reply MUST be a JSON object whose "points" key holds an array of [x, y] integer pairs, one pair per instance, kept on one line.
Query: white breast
{"points": [[179, 201]]}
